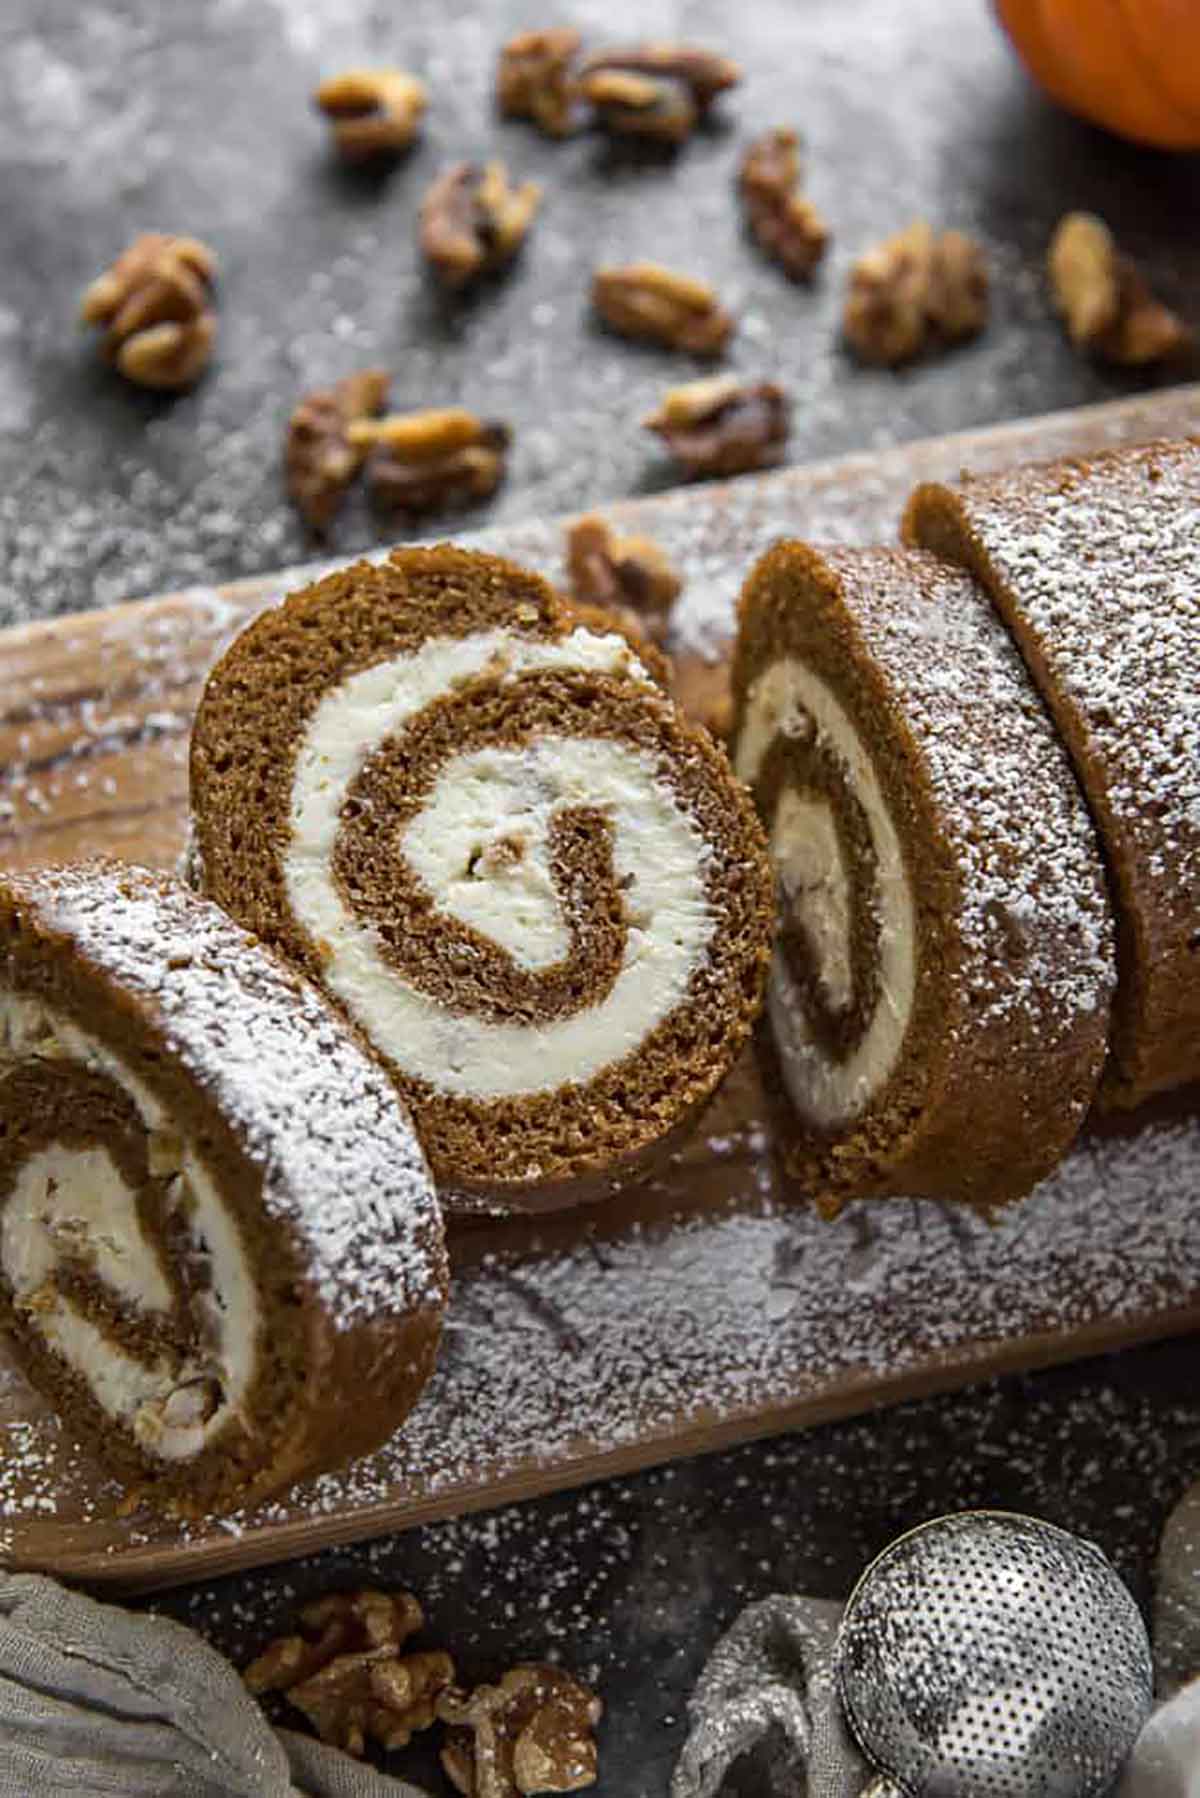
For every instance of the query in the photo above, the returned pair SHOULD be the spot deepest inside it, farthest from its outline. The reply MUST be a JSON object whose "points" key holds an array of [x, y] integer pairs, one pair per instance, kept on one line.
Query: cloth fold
{"points": [[97, 1700]]}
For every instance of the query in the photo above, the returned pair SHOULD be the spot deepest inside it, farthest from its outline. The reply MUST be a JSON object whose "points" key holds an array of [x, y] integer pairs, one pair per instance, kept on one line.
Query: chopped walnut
{"points": [[531, 1733], [723, 426], [914, 292], [784, 221], [346, 1673], [424, 461], [473, 221], [320, 460], [702, 72], [644, 300], [1104, 299], [633, 105], [374, 112], [155, 303], [534, 79], [623, 575]]}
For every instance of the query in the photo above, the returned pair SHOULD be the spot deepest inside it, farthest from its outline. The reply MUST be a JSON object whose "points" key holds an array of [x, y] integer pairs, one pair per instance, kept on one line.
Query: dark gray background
{"points": [[195, 117]]}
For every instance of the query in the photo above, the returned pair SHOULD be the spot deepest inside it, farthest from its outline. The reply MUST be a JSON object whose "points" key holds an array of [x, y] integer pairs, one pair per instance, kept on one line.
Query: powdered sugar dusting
{"points": [[341, 1162], [1097, 564], [648, 1333], [1035, 916]]}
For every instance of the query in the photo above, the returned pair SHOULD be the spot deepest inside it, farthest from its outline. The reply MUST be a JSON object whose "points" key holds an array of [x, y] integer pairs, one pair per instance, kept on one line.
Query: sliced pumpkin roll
{"points": [[221, 1255], [939, 995], [535, 888], [1095, 568]]}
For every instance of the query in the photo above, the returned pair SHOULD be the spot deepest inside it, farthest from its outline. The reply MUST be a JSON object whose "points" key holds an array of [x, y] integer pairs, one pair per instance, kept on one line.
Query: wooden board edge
{"points": [[137, 1571]]}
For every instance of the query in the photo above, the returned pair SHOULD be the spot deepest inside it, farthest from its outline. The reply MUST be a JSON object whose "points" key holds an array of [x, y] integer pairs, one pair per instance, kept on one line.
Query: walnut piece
{"points": [[646, 301], [633, 105], [346, 1673], [425, 461], [319, 458], [724, 425], [1103, 297], [534, 79], [702, 72], [373, 112], [783, 220], [531, 1733], [914, 292], [155, 303], [473, 220], [628, 576]]}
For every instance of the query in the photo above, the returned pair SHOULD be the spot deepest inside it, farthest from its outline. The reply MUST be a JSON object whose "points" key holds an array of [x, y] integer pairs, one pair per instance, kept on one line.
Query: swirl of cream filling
{"points": [[68, 1200], [807, 853], [481, 801]]}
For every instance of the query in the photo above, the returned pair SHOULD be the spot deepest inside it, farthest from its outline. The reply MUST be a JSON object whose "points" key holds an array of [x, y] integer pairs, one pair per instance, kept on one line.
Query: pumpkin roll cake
{"points": [[1095, 568], [939, 995], [221, 1255], [534, 887]]}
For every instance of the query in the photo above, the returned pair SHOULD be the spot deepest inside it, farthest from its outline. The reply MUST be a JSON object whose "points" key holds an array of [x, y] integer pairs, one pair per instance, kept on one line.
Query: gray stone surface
{"points": [[136, 114]]}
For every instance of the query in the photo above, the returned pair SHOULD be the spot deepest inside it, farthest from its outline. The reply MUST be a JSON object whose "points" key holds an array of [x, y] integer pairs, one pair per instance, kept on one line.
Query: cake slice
{"points": [[939, 996], [1095, 568], [221, 1256], [504, 853]]}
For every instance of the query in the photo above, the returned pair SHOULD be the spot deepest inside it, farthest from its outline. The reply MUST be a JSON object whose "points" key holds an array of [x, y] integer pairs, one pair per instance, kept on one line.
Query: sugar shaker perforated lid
{"points": [[990, 1655]]}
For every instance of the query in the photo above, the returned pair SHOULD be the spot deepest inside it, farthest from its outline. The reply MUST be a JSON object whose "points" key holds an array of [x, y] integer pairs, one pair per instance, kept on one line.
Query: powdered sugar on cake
{"points": [[302, 1096]]}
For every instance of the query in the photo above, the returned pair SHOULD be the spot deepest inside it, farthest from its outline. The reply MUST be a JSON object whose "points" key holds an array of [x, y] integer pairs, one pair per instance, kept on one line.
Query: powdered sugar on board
{"points": [[340, 1161], [648, 1331]]}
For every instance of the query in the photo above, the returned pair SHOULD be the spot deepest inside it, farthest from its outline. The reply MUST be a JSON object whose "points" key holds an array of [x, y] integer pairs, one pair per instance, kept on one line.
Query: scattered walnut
{"points": [[702, 72], [346, 1673], [534, 80], [914, 292], [1104, 299], [644, 300], [156, 304], [633, 105], [374, 112], [784, 221], [425, 461], [723, 426], [320, 460], [531, 1733], [473, 221], [624, 575]]}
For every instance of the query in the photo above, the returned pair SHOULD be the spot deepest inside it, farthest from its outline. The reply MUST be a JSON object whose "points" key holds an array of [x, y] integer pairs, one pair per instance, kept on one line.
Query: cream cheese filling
{"points": [[480, 846], [69, 1200], [791, 699]]}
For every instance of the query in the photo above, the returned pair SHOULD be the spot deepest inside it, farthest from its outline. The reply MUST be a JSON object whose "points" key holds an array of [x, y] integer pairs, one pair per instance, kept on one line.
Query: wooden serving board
{"points": [[706, 1308]]}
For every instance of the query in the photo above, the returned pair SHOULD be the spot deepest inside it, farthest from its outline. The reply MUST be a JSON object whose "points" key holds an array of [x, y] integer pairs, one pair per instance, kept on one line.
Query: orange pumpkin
{"points": [[1133, 65]]}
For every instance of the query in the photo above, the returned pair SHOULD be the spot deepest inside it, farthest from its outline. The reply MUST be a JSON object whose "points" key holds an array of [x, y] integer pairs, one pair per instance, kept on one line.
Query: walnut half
{"points": [[530, 1733], [474, 221], [644, 300], [319, 458], [783, 220], [916, 291], [345, 1672], [1103, 297], [373, 112], [155, 303], [534, 79], [618, 572], [723, 426], [426, 461]]}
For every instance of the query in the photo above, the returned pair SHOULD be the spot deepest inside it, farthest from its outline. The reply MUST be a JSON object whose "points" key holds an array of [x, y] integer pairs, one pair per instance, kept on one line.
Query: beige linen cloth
{"points": [[97, 1700]]}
